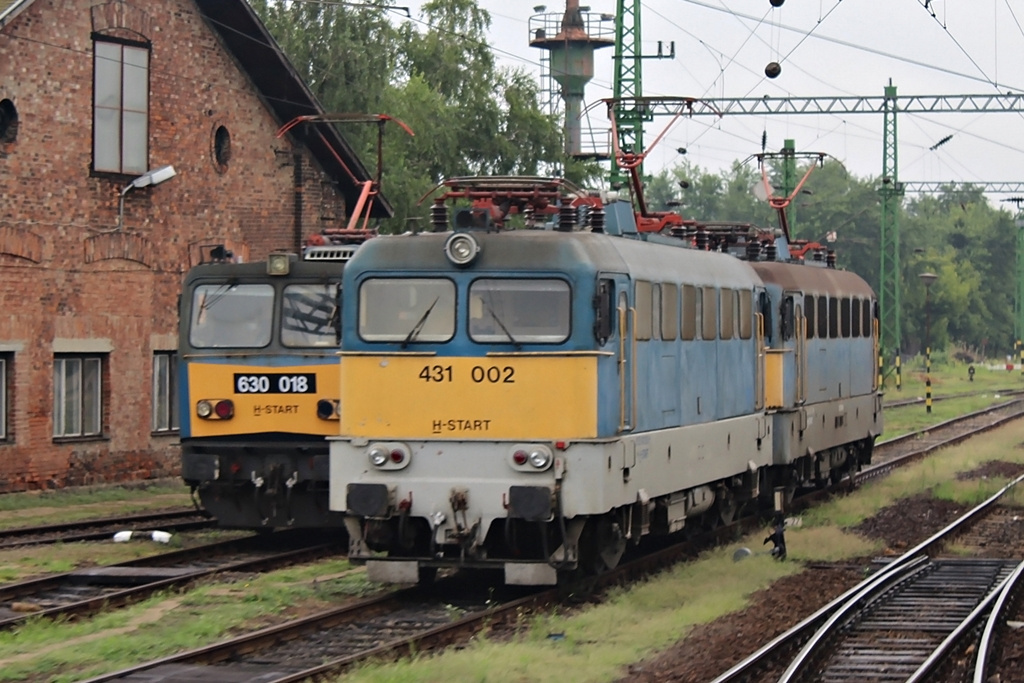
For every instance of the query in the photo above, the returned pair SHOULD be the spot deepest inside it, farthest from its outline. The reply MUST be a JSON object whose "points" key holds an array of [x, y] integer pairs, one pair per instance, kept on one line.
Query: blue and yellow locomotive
{"points": [[535, 399], [258, 372]]}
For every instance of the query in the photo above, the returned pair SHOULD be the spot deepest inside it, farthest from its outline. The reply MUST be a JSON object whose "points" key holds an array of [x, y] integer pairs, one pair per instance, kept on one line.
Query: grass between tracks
{"points": [[947, 379], [73, 504], [43, 650], [19, 564]]}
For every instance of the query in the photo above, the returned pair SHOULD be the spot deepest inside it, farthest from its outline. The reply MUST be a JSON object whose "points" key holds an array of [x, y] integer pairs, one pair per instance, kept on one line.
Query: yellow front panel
{"points": [[495, 397], [283, 403]]}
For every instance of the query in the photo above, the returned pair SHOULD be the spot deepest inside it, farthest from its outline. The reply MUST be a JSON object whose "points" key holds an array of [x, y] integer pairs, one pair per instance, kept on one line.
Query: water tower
{"points": [[570, 40]]}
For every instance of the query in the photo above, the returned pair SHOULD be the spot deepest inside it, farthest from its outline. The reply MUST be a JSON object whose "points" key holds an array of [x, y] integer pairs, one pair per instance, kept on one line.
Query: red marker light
{"points": [[520, 457], [225, 409], [397, 456]]}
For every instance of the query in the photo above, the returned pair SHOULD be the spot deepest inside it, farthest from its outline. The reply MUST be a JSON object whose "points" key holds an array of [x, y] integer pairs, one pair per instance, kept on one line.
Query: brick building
{"points": [[94, 95]]}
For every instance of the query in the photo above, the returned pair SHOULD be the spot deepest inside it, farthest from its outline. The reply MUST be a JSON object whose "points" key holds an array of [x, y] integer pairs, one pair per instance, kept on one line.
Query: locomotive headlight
{"points": [[378, 456], [278, 264], [540, 458], [327, 409], [204, 409], [461, 248]]}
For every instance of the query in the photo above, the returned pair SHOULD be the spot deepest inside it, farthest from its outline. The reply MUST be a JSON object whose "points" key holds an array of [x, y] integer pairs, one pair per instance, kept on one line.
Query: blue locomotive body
{"points": [[536, 399]]}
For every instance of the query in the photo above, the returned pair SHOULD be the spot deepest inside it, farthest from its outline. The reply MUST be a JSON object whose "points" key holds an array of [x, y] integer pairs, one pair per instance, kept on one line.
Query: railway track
{"points": [[920, 400], [903, 622], [87, 591], [907, 448], [183, 519]]}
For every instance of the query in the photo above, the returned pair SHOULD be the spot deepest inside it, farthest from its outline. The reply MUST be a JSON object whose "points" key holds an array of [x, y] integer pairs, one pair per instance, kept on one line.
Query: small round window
{"points": [[8, 121], [222, 146]]}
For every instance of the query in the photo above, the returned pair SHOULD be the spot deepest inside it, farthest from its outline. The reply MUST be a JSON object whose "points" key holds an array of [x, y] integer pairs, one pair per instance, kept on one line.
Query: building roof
{"points": [[279, 86], [285, 93]]}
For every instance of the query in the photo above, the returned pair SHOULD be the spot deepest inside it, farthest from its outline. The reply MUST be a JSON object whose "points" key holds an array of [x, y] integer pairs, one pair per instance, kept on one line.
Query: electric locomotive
{"points": [[258, 383], [535, 399]]}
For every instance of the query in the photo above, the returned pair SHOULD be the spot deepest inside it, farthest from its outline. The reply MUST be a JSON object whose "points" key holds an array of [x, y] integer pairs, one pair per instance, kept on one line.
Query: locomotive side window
{"points": [[833, 317], [844, 317], [764, 305], [745, 305], [709, 313], [810, 309], [689, 317], [231, 316], [822, 317], [655, 311], [643, 301], [407, 310], [669, 311], [728, 315], [866, 327], [604, 318], [518, 311], [788, 321], [855, 316], [310, 315]]}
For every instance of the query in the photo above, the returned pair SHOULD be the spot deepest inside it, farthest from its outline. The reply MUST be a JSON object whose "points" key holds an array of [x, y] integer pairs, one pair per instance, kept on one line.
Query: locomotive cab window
{"points": [[844, 315], [519, 311], [231, 316], [866, 328], [310, 315], [833, 317], [407, 310]]}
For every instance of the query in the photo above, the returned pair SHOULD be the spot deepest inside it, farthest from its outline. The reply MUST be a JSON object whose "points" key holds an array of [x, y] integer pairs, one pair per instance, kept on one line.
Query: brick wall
{"points": [[67, 274]]}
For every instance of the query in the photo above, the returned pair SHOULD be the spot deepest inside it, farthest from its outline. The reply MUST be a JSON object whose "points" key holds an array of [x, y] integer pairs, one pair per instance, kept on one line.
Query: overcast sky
{"points": [[827, 48]]}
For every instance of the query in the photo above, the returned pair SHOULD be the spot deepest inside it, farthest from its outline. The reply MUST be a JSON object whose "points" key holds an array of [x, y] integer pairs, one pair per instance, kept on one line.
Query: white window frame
{"points": [[77, 396], [165, 393], [120, 109]]}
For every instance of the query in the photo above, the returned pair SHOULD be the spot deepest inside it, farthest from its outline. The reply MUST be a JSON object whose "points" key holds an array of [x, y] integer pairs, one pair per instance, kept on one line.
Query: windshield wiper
{"points": [[415, 331], [501, 325]]}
